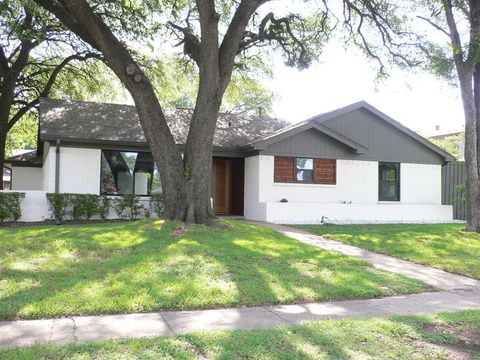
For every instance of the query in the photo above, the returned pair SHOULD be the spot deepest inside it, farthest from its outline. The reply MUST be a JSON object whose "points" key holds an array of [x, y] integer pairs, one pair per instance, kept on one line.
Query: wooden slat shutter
{"points": [[284, 170], [325, 171]]}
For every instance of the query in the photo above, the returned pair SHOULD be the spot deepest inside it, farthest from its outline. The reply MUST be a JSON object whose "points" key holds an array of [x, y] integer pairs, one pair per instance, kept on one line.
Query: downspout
{"points": [[57, 174], [57, 167]]}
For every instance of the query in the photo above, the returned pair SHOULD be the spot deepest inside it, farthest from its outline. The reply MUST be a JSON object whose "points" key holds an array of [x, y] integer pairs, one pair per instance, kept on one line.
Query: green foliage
{"points": [[157, 204], [461, 197], [84, 206], [23, 135], [10, 205], [128, 206], [104, 205], [453, 144], [176, 82], [59, 205], [89, 80]]}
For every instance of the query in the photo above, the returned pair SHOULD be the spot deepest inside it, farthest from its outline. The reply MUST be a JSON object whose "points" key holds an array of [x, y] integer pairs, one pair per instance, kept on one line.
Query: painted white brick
{"points": [[353, 199], [27, 178], [79, 170]]}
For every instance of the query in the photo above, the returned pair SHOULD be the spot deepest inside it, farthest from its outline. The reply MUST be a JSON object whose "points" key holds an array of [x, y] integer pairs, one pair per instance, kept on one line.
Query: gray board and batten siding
{"points": [[383, 141], [453, 176]]}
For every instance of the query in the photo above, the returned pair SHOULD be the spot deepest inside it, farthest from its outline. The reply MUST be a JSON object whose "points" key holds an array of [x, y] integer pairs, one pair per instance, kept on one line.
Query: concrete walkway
{"points": [[90, 328], [458, 293], [440, 279]]}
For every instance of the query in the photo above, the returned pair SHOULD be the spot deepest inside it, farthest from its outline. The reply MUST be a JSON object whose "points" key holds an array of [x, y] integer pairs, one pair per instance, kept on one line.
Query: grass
{"points": [[52, 271], [444, 246], [442, 336]]}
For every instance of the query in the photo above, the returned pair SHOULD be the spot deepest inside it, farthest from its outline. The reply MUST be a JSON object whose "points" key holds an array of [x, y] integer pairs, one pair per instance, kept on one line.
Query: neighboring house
{"points": [[6, 178], [354, 164], [451, 140]]}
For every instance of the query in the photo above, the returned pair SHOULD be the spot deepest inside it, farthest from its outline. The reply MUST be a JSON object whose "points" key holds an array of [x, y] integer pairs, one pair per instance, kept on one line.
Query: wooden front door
{"points": [[222, 186]]}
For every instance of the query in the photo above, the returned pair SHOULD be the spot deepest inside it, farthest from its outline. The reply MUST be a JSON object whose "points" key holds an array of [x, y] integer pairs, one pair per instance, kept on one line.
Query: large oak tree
{"points": [[216, 36]]}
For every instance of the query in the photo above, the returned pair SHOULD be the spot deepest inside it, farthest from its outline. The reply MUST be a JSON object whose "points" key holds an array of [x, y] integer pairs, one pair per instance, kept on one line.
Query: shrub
{"points": [[84, 206], [128, 206], [157, 204], [59, 205], [10, 205], [104, 205]]}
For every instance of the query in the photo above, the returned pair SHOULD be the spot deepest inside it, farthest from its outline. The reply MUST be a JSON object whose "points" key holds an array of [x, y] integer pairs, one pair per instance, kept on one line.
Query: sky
{"points": [[418, 100]]}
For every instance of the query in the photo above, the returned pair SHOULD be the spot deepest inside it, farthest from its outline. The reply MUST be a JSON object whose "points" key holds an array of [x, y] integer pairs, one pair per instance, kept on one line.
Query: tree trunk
{"points": [[471, 155], [185, 181], [476, 93], [6, 99]]}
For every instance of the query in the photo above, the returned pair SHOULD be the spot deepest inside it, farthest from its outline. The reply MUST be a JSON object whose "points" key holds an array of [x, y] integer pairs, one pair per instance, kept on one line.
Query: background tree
{"points": [[454, 144], [396, 31], [34, 50], [216, 36], [80, 80], [175, 81], [460, 22]]}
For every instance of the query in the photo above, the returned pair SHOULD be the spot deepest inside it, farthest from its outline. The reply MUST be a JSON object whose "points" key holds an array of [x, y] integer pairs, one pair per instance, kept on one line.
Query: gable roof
{"points": [[102, 122], [317, 122]]}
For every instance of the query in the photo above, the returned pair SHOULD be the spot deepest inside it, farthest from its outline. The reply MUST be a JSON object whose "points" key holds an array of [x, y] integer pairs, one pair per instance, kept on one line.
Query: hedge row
{"points": [[85, 206], [10, 203]]}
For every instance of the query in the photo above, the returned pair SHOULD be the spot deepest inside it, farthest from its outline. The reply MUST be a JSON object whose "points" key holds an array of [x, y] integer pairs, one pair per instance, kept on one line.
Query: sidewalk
{"points": [[438, 278], [458, 293]]}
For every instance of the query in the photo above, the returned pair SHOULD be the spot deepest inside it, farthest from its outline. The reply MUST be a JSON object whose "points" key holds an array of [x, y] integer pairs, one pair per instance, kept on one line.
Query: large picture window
{"points": [[388, 181], [126, 172]]}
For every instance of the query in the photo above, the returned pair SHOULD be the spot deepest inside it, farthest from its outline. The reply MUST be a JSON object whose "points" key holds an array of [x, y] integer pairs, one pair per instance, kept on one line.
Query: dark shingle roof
{"points": [[88, 121], [30, 158]]}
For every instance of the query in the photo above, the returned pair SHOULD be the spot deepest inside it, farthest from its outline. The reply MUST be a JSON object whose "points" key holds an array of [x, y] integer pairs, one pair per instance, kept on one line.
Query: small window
{"points": [[304, 170], [389, 182]]}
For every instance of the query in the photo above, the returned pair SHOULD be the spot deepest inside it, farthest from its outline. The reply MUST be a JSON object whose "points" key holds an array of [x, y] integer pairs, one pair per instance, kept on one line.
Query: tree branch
{"points": [[48, 86], [191, 43], [3, 62], [436, 26], [454, 35], [233, 37]]}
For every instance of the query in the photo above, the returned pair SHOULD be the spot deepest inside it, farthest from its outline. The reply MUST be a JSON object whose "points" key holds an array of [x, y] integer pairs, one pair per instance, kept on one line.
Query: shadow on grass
{"points": [[443, 246], [442, 336], [140, 267]]}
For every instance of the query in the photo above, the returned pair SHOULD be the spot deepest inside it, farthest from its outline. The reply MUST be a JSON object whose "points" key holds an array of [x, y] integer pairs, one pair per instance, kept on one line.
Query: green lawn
{"points": [[444, 336], [444, 246], [52, 271]]}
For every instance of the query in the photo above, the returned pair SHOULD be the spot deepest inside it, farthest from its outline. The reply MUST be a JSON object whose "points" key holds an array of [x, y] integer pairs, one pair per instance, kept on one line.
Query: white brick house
{"points": [[354, 164]]}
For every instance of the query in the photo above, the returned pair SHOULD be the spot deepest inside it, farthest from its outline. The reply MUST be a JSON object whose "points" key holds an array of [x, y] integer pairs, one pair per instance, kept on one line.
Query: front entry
{"points": [[222, 181], [228, 186]]}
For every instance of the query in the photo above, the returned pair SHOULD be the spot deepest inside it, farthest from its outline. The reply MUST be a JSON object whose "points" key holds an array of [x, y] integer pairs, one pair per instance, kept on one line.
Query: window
{"points": [[288, 169], [126, 172], [304, 170], [389, 182]]}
